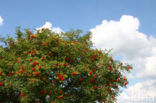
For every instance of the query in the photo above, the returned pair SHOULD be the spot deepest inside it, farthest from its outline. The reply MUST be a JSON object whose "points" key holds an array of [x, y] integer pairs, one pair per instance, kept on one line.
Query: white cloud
{"points": [[141, 92], [122, 36], [150, 68], [136, 48], [49, 26], [1, 20], [125, 39]]}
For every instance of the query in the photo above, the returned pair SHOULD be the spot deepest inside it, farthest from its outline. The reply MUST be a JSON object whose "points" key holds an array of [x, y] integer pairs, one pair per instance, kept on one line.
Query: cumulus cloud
{"points": [[150, 68], [124, 38], [1, 20], [141, 92], [135, 48], [49, 26]]}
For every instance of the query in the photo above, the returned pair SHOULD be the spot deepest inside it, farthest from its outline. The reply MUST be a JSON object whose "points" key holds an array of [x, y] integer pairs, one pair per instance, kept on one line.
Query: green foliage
{"points": [[46, 67]]}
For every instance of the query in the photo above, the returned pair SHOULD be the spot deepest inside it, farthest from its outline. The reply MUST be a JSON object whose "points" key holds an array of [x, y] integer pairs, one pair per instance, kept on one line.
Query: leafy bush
{"points": [[46, 67]]}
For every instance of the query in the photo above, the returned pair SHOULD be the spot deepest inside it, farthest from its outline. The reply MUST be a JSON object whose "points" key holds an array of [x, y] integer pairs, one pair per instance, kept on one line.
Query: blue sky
{"points": [[80, 14], [128, 23]]}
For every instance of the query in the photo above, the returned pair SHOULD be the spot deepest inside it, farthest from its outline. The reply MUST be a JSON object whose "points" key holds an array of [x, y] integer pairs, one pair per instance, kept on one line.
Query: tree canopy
{"points": [[47, 67]]}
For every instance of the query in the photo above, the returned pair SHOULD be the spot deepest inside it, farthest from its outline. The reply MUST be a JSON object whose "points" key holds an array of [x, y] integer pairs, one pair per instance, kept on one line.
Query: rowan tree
{"points": [[47, 67]]}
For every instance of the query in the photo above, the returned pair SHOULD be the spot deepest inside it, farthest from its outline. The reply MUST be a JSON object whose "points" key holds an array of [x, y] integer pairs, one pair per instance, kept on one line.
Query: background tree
{"points": [[46, 67]]}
